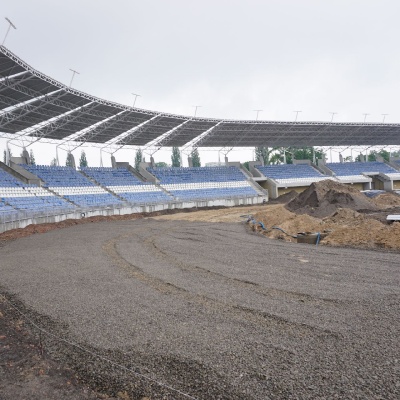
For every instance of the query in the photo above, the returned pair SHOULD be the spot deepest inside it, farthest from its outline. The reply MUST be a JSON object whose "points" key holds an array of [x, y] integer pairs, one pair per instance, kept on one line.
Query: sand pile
{"points": [[323, 198], [387, 200], [346, 227]]}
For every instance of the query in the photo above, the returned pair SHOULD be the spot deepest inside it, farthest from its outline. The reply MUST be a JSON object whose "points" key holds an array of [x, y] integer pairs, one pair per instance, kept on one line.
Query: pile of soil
{"points": [[322, 199], [387, 200], [346, 227]]}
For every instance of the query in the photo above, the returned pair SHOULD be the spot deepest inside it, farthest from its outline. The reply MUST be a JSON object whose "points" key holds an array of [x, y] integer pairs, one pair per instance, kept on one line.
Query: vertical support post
{"points": [[8, 158], [58, 160]]}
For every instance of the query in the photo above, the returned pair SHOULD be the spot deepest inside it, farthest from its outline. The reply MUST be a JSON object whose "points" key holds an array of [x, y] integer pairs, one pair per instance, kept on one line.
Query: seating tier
{"points": [[73, 185], [200, 183], [127, 186], [359, 168], [287, 173]]}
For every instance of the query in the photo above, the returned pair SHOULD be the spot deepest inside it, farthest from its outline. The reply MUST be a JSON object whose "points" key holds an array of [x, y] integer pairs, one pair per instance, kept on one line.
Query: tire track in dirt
{"points": [[241, 283], [237, 312]]}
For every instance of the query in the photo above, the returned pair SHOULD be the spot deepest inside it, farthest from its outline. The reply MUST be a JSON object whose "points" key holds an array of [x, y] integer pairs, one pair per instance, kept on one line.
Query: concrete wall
{"points": [[324, 169], [297, 162], [252, 167], [297, 189], [130, 169], [358, 186], [272, 188], [377, 184], [146, 174], [25, 221]]}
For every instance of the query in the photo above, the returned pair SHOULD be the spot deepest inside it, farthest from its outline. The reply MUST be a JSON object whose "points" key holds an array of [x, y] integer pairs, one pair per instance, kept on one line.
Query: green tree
{"points": [[69, 161], [53, 162], [82, 160], [246, 164], [382, 153], [270, 155], [302, 153], [32, 157], [395, 154], [161, 164], [176, 157], [196, 158], [138, 158]]}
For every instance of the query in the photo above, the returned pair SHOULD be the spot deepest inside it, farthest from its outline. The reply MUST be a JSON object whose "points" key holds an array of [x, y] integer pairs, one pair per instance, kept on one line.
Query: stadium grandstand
{"points": [[37, 108]]}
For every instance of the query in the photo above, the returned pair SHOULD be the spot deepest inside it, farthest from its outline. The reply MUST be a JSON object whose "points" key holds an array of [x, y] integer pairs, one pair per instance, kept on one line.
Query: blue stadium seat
{"points": [[358, 168], [288, 173], [204, 183], [17, 196], [74, 186], [127, 186]]}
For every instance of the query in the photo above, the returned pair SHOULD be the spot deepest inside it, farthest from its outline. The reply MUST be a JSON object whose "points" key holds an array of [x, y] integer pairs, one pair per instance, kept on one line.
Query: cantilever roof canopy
{"points": [[33, 104]]}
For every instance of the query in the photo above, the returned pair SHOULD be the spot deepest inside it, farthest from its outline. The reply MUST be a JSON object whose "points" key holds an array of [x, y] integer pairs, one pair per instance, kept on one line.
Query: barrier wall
{"points": [[23, 219]]}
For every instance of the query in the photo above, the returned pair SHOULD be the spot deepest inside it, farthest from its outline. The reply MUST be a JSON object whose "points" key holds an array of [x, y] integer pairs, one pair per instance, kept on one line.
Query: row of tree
{"points": [[278, 155], [269, 156], [175, 158], [31, 156]]}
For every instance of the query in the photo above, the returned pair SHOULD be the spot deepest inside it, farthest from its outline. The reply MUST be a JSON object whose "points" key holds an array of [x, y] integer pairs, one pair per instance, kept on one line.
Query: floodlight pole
{"points": [[257, 112], [73, 74], [297, 113], [365, 116], [195, 110], [10, 24], [136, 96], [384, 116]]}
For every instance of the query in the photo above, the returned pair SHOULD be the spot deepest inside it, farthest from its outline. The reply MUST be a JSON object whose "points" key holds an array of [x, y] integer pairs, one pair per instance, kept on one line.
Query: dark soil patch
{"points": [[381, 215], [323, 198], [27, 371]]}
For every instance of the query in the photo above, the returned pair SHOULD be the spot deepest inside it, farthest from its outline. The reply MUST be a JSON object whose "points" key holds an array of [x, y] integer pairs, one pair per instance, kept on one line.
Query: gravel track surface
{"points": [[211, 310]]}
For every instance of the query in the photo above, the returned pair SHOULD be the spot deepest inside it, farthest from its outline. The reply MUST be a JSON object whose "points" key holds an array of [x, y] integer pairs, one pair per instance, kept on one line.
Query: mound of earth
{"points": [[322, 199], [346, 227], [387, 200]]}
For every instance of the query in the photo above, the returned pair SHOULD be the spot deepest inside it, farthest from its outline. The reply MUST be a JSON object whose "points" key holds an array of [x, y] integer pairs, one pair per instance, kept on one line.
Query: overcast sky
{"points": [[229, 56]]}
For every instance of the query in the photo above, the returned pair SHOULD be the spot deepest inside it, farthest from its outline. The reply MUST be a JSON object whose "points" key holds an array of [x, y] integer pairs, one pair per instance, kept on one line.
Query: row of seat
{"points": [[358, 168], [111, 176], [213, 193], [289, 171], [123, 183], [73, 188], [197, 174]]}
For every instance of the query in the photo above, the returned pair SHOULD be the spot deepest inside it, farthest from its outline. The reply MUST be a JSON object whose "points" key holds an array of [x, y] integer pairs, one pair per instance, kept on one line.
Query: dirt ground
{"points": [[346, 227], [366, 228], [345, 216], [208, 309], [326, 207], [28, 372]]}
